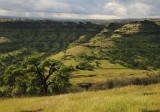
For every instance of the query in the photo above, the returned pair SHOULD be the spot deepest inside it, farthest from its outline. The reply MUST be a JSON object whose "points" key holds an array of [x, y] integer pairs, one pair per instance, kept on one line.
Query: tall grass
{"points": [[126, 99]]}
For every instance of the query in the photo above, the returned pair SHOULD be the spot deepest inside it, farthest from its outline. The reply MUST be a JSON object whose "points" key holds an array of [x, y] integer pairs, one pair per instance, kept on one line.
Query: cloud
{"points": [[139, 10], [116, 9], [89, 9]]}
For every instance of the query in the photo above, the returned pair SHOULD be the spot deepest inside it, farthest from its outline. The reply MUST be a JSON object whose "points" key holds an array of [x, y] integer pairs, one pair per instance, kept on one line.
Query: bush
{"points": [[120, 82], [84, 66], [87, 57], [110, 84], [98, 63], [33, 90], [18, 91], [5, 91]]}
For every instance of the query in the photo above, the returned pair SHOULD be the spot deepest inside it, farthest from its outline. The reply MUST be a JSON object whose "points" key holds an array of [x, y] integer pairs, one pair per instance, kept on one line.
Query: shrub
{"points": [[32, 90], [18, 91], [110, 84], [120, 82], [84, 66], [5, 91], [97, 63], [87, 57]]}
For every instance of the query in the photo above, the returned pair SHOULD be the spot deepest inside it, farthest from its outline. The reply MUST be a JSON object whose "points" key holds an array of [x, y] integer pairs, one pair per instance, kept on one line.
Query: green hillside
{"points": [[115, 57], [43, 36], [136, 45], [105, 56], [139, 27]]}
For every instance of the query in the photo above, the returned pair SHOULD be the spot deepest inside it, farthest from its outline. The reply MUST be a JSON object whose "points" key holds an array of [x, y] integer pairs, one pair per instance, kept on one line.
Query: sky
{"points": [[81, 9]]}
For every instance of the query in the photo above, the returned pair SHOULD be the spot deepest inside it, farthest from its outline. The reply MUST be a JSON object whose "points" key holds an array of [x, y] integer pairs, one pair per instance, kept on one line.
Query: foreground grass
{"points": [[126, 99]]}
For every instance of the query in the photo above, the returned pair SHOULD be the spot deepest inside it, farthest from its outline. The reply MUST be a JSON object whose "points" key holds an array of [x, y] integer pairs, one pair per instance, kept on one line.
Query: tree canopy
{"points": [[36, 77]]}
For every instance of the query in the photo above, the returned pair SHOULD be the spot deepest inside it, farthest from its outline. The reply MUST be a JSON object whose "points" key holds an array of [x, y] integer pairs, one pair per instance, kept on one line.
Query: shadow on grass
{"points": [[80, 76], [38, 110], [150, 110]]}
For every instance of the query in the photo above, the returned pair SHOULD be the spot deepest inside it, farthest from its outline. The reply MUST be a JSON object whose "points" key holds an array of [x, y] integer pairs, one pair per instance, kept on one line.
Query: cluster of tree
{"points": [[35, 77], [140, 51]]}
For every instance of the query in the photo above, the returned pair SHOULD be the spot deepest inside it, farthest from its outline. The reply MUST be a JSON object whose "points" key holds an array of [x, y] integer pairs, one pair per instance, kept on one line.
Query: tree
{"points": [[2, 67], [35, 77], [49, 72], [14, 78]]}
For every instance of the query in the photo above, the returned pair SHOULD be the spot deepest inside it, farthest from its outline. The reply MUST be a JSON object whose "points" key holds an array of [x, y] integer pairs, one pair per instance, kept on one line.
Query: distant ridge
{"points": [[138, 27]]}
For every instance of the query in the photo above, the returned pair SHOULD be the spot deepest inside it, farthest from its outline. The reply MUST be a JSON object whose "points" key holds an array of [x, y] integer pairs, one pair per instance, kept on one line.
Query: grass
{"points": [[58, 56], [126, 99], [102, 75], [74, 51], [107, 71], [77, 50], [129, 28], [4, 40]]}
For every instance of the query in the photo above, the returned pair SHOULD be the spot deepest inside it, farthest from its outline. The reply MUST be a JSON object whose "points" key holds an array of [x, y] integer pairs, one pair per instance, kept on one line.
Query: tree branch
{"points": [[51, 70]]}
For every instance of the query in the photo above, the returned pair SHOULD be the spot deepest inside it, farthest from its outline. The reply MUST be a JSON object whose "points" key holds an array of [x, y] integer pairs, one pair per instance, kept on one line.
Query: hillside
{"points": [[137, 45], [139, 27], [115, 57], [41, 36], [119, 54]]}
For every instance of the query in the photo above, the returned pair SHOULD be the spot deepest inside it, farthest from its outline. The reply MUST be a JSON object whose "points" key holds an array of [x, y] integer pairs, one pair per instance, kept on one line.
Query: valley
{"points": [[111, 66]]}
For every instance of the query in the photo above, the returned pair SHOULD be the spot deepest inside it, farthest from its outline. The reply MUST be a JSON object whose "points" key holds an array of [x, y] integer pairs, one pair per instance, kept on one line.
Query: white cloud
{"points": [[57, 15], [129, 10], [140, 9], [95, 9], [116, 8]]}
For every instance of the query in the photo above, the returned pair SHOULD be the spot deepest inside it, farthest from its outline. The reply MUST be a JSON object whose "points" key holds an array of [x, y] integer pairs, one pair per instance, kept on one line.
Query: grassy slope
{"points": [[126, 99], [106, 70], [4, 40]]}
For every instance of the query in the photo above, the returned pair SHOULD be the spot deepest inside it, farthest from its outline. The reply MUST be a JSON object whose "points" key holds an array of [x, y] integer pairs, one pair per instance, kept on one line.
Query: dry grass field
{"points": [[126, 99]]}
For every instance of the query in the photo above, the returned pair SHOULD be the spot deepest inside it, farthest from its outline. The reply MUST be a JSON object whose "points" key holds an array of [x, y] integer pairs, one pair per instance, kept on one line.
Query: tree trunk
{"points": [[45, 88]]}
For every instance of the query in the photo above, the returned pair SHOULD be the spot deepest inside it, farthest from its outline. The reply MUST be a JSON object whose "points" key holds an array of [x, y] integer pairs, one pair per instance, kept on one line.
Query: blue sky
{"points": [[81, 9]]}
